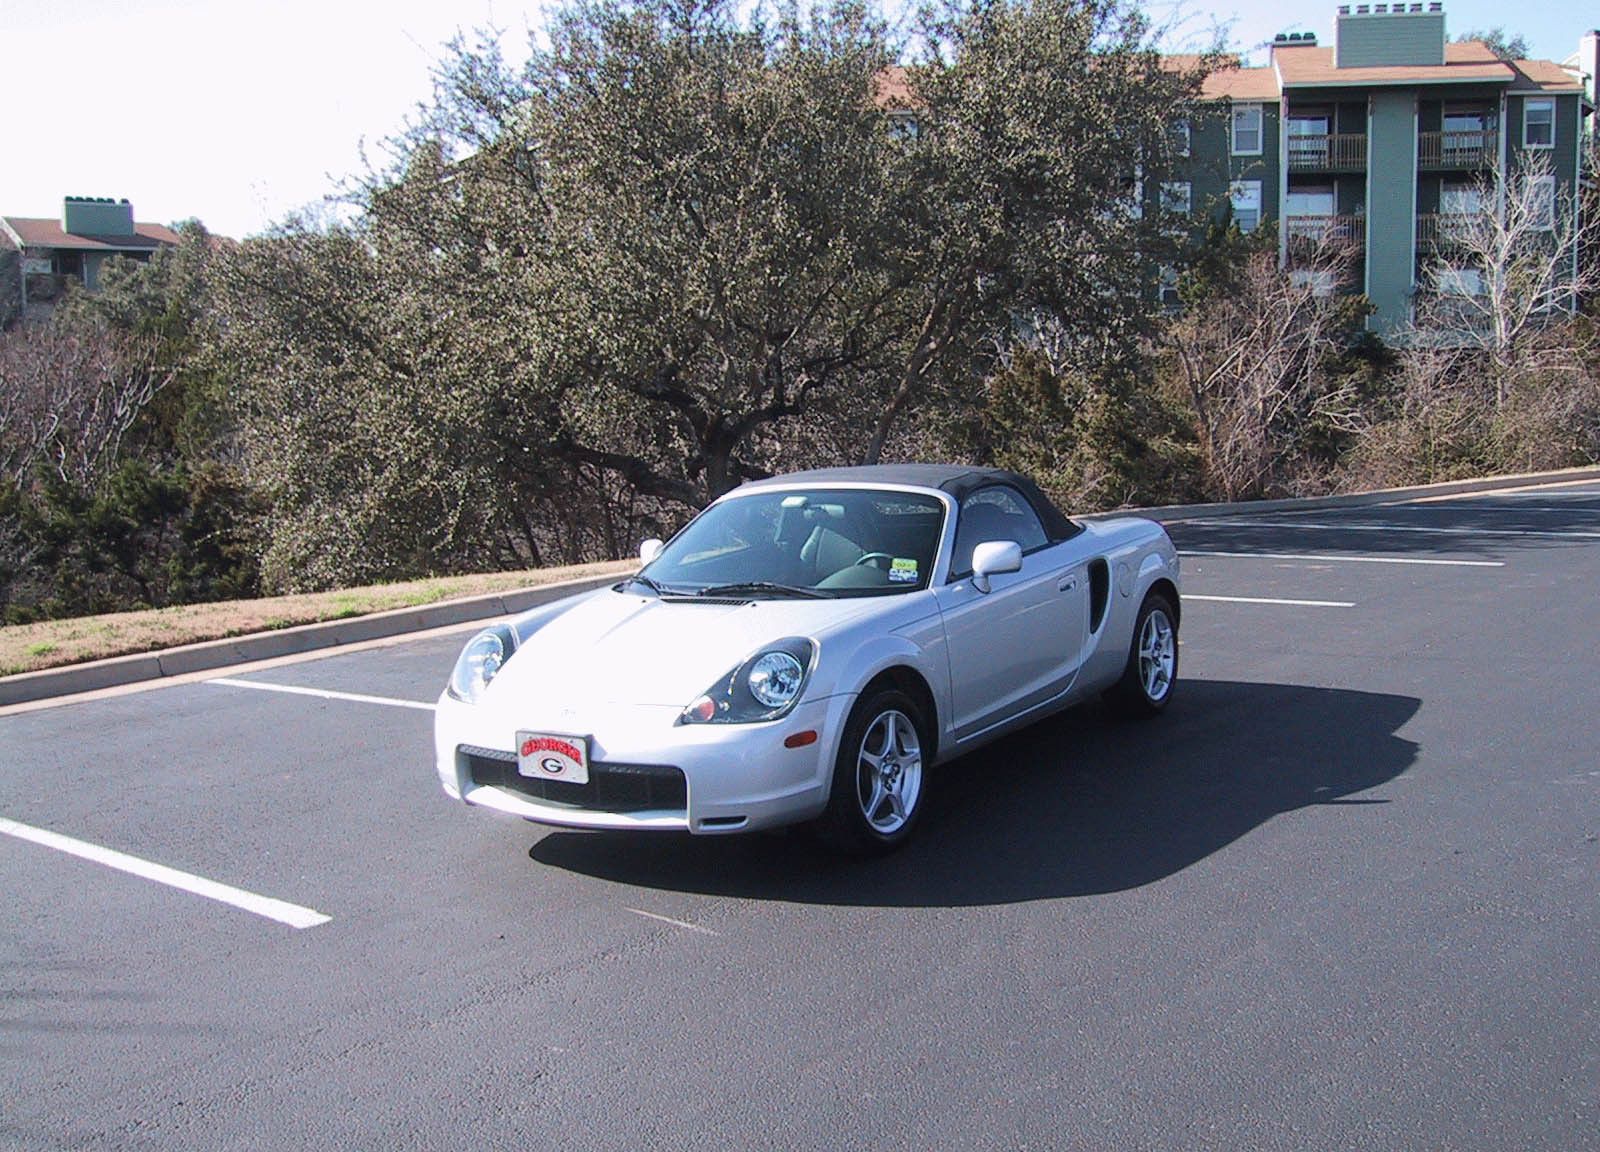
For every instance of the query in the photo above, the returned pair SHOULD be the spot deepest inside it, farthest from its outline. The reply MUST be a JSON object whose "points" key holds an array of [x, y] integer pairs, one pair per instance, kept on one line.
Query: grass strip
{"points": [[56, 643]]}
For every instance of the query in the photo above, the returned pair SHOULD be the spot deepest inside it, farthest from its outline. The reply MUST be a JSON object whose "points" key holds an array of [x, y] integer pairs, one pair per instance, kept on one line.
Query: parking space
{"points": [[1345, 888]]}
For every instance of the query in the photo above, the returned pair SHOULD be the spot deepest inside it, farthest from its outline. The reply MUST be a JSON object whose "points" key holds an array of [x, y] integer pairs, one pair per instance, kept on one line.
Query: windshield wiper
{"points": [[658, 589], [764, 586]]}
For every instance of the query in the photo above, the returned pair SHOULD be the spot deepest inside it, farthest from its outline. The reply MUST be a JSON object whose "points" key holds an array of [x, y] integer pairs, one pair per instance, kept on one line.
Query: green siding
{"points": [[1212, 166], [84, 217], [1563, 157], [1393, 38], [1391, 213]]}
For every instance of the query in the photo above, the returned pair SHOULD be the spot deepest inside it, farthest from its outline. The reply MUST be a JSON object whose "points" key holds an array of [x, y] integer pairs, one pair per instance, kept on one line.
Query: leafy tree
{"points": [[1040, 123], [1503, 45], [679, 249]]}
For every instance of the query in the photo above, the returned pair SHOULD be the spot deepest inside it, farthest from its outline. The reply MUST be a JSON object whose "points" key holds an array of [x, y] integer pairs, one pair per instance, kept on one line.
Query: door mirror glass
{"points": [[993, 557]]}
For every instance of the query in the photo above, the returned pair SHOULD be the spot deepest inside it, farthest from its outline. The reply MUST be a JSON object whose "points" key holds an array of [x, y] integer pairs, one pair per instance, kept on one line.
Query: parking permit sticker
{"points": [[902, 571]]}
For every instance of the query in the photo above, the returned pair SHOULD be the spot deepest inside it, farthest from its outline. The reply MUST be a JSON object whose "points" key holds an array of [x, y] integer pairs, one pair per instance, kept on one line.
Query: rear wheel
{"points": [[1152, 669], [878, 777]]}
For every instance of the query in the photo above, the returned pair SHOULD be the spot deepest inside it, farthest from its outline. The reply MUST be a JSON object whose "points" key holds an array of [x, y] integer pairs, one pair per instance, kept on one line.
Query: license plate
{"points": [[551, 756]]}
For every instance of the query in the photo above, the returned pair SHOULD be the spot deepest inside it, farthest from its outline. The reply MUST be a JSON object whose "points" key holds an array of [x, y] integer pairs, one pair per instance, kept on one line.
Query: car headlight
{"points": [[483, 656], [765, 686]]}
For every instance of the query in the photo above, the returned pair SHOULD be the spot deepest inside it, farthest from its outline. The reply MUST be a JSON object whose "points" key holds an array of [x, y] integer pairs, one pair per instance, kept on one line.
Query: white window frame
{"points": [[1528, 107], [1244, 194], [1542, 194], [1177, 197], [1131, 204], [903, 124], [1243, 110], [1182, 135], [1460, 198], [1167, 282]]}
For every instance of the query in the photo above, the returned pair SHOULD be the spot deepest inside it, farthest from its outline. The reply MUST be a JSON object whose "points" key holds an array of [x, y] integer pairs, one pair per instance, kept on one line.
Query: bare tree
{"points": [[1499, 275], [70, 389], [1254, 359]]}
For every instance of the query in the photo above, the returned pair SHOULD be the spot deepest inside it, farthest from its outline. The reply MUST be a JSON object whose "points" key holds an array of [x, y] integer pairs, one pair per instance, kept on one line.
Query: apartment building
{"points": [[45, 255], [1382, 139]]}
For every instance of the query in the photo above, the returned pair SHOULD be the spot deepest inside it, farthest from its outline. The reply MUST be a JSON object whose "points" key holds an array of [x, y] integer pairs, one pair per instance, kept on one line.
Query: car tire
{"points": [[879, 776], [1151, 673]]}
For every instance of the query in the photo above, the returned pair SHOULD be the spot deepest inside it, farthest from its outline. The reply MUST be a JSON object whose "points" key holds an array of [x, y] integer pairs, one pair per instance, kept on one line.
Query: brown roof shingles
{"points": [[1543, 76], [1240, 84], [40, 233], [1312, 67]]}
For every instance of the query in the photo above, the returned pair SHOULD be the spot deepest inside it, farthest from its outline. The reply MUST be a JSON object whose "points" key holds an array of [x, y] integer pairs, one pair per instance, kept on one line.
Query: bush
{"points": [[144, 539]]}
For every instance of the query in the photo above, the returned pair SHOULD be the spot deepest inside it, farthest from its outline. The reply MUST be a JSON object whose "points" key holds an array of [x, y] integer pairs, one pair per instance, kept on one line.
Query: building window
{"points": [[1308, 140], [1176, 197], [1539, 124], [1245, 197], [1320, 281], [1310, 200], [903, 125], [1180, 137], [1247, 130], [1460, 199], [1458, 280], [1167, 289], [1129, 204], [1542, 203]]}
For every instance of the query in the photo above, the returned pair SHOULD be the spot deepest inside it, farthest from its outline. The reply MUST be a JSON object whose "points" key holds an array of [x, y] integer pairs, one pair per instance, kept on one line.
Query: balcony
{"points": [[1443, 230], [1457, 150], [1328, 152], [1307, 235]]}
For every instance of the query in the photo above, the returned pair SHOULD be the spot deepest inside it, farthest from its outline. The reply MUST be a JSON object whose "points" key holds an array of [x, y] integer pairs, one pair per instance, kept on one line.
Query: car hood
{"points": [[615, 648]]}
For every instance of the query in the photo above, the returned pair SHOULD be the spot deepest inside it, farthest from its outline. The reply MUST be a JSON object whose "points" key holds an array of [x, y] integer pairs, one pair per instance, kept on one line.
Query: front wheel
{"points": [[878, 776], [1152, 669]]}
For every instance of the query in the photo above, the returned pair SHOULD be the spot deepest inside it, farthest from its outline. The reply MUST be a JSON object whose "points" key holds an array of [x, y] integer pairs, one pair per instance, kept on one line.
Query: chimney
{"points": [[96, 216], [1385, 35]]}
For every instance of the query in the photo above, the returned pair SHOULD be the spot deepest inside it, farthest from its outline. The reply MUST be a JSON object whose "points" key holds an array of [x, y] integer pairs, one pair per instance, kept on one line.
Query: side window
{"points": [[1247, 130], [994, 513]]}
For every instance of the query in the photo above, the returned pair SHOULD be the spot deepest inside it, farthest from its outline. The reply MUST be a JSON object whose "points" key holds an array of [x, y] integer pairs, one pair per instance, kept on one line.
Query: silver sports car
{"points": [[804, 650]]}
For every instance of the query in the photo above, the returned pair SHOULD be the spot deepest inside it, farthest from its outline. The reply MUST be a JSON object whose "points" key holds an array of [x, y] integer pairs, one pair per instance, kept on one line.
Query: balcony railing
{"points": [[1333, 152], [1457, 149], [1307, 234], [1443, 229]]}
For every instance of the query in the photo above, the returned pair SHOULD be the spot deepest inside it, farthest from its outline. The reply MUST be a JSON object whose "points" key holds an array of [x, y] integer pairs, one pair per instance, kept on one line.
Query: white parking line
{"points": [[670, 920], [321, 693], [285, 913], [1266, 600], [1301, 524], [1349, 559]]}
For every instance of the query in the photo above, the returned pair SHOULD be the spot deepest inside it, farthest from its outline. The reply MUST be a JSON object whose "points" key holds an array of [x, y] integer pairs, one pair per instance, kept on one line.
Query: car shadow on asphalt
{"points": [[1080, 805]]}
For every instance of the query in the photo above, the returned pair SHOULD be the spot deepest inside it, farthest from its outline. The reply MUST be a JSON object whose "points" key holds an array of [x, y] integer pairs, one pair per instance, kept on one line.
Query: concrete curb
{"points": [[1178, 512], [121, 670]]}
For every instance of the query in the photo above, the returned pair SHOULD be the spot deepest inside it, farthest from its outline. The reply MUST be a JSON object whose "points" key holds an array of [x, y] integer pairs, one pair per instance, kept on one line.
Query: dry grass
{"points": [[53, 643]]}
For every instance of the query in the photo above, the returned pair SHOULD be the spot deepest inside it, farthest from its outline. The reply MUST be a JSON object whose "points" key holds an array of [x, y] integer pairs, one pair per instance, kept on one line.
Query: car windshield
{"points": [[813, 542]]}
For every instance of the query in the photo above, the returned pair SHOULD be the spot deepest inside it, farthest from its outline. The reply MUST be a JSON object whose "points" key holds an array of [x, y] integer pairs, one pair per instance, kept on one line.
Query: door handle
{"points": [[1067, 584]]}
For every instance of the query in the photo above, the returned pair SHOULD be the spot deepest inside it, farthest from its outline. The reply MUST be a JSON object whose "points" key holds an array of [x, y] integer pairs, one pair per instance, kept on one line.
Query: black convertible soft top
{"points": [[959, 480]]}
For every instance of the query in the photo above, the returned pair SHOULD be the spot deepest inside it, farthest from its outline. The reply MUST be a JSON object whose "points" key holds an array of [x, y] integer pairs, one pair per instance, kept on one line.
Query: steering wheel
{"points": [[872, 556]]}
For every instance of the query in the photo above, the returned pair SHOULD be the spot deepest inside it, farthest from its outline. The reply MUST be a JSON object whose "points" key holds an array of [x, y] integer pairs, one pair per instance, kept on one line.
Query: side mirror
{"points": [[649, 550], [993, 557]]}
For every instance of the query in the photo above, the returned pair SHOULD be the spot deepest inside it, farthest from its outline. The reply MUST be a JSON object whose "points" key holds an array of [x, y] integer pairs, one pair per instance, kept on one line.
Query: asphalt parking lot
{"points": [[1342, 895]]}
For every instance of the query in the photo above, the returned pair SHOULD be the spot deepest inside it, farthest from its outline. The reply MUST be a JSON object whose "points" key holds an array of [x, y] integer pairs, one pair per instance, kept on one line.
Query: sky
{"points": [[239, 112]]}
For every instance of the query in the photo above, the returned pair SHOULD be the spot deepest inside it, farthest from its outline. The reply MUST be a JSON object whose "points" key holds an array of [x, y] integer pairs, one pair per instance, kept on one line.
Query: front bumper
{"points": [[646, 772]]}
